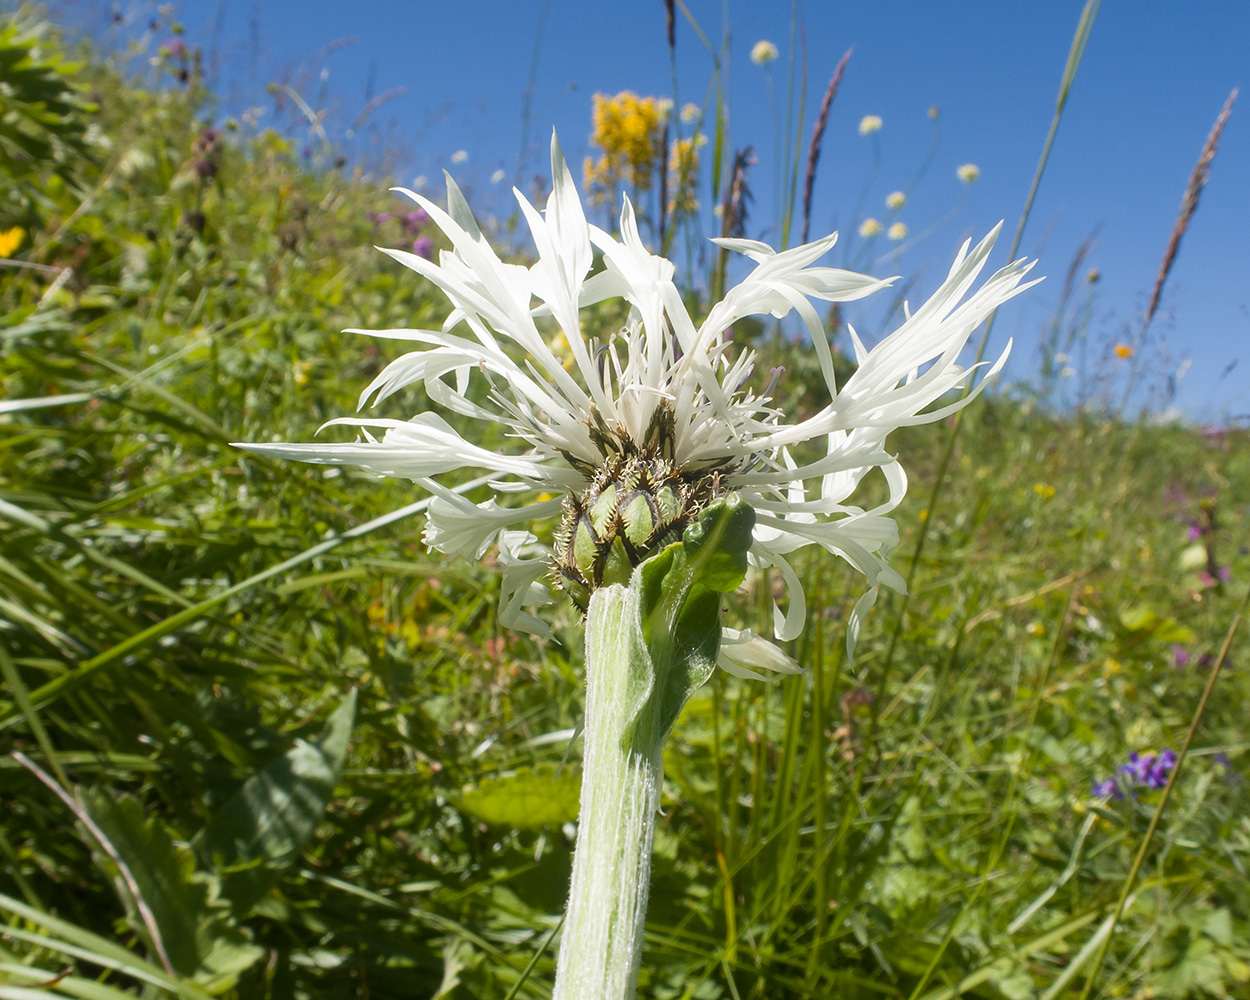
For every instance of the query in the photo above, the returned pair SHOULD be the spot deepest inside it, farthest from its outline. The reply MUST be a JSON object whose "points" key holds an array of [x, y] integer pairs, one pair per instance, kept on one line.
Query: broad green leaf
{"points": [[528, 799], [1142, 618], [1138, 618], [173, 908], [261, 829]]}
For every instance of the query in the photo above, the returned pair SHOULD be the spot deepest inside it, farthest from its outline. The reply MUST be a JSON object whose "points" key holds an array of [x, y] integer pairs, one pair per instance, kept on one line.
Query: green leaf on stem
{"points": [[679, 602]]}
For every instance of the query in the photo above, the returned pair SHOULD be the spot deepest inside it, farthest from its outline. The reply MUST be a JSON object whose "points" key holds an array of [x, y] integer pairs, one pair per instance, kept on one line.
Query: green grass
{"points": [[919, 824]]}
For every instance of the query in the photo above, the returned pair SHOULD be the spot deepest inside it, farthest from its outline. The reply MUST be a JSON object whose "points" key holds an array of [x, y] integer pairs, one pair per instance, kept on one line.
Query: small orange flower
{"points": [[1123, 351]]}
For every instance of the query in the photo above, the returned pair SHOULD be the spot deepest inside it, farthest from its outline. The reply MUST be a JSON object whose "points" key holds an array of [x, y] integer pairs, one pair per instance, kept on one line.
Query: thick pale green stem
{"points": [[621, 778], [648, 646]]}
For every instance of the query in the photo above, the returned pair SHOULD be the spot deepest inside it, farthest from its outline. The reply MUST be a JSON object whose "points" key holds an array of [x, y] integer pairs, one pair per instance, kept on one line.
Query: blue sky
{"points": [[1152, 81]]}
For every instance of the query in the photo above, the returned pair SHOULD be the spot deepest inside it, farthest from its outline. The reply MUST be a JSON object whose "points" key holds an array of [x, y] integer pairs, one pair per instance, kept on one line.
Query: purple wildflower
{"points": [[1223, 761], [414, 220], [1157, 773], [1180, 656], [1108, 789], [1149, 769], [423, 246], [1137, 767], [1208, 581], [177, 48], [1195, 530]]}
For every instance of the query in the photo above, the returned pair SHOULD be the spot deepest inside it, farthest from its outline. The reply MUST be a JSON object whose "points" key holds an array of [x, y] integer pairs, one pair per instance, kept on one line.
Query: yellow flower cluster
{"points": [[683, 175], [628, 130]]}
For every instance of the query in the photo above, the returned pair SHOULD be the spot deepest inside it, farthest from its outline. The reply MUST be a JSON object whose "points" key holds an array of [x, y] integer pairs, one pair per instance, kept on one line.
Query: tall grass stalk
{"points": [[793, 136], [1189, 204], [818, 134]]}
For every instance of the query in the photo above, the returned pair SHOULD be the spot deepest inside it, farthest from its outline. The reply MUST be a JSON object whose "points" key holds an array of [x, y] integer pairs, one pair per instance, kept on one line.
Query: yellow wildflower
{"points": [[1123, 351], [1035, 629], [10, 240], [897, 232], [895, 200], [969, 173], [869, 124], [683, 174], [1044, 490], [628, 130]]}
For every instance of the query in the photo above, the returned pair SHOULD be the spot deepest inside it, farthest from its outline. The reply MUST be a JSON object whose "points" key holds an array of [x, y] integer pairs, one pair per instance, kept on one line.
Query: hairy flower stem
{"points": [[621, 779]]}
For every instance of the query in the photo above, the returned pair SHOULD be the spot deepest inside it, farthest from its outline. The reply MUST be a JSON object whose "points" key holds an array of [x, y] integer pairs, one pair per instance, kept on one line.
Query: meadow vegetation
{"points": [[249, 753]]}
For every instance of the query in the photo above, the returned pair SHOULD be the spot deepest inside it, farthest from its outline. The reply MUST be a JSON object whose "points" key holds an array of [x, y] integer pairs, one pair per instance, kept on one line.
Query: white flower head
{"points": [[870, 228], [633, 430], [763, 52]]}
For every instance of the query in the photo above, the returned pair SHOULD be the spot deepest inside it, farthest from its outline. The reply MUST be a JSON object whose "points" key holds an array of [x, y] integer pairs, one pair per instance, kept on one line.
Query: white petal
{"points": [[418, 448], [740, 651], [523, 563], [457, 527]]}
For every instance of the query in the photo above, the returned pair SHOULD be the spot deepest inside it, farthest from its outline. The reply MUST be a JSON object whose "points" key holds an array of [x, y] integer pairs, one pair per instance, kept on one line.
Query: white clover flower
{"points": [[895, 200], [898, 231], [460, 156], [632, 431], [763, 52], [969, 173]]}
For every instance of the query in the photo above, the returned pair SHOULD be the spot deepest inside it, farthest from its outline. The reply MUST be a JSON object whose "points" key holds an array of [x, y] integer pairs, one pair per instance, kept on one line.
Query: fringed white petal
{"points": [[523, 563], [741, 651], [460, 528]]}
